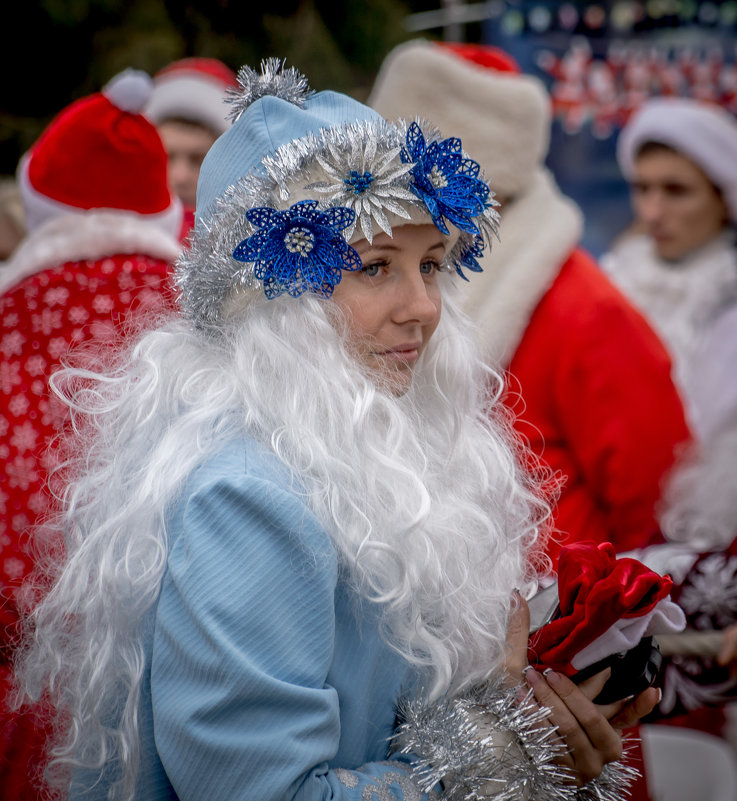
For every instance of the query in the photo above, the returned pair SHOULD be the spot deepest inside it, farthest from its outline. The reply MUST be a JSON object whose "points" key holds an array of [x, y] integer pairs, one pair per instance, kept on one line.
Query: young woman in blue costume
{"points": [[292, 533]]}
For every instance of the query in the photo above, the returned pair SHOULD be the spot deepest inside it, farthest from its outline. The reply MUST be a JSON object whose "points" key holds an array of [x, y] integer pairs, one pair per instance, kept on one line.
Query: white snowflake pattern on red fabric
{"points": [[40, 318], [13, 568], [77, 315], [38, 502], [45, 321], [58, 346], [126, 282], [9, 377], [24, 437], [18, 405], [35, 365], [103, 304], [11, 344], [56, 296], [21, 472]]}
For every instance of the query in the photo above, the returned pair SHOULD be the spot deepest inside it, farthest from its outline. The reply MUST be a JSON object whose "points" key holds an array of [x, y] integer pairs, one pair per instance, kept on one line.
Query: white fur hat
{"points": [[704, 133], [477, 93], [192, 89]]}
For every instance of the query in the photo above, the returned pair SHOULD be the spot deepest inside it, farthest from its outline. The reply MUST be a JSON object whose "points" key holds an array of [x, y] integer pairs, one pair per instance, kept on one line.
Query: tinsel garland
{"points": [[492, 745], [275, 79]]}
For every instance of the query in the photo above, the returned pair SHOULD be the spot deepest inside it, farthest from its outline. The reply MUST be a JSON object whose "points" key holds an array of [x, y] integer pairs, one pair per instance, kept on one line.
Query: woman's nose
{"points": [[416, 299]]}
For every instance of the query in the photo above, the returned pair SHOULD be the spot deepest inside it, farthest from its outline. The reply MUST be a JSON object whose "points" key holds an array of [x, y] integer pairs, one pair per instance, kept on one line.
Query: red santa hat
{"points": [[192, 89], [477, 92], [101, 153]]}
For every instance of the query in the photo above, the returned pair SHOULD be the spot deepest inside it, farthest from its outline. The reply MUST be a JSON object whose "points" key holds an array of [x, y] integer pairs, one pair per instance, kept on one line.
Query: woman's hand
{"points": [[591, 733]]}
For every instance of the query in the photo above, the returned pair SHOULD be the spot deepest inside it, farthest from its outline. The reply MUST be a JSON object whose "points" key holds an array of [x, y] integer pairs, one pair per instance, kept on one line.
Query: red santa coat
{"points": [[75, 278], [589, 381], [600, 406]]}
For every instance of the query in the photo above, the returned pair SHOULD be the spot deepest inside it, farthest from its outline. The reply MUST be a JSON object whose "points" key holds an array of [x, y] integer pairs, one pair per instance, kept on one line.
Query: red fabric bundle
{"points": [[595, 590]]}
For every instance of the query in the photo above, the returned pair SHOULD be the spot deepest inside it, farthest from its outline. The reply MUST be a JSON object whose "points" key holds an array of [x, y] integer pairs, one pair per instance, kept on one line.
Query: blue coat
{"points": [[266, 677]]}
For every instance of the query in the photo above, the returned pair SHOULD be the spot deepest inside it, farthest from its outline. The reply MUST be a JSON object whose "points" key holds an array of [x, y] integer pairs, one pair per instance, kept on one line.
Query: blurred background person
{"points": [[103, 231], [188, 109], [680, 267], [12, 222], [587, 374]]}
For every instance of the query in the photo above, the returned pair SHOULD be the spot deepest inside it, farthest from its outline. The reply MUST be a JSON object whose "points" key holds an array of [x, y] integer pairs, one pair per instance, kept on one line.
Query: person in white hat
{"points": [[290, 511], [187, 106], [586, 375], [680, 266], [102, 235]]}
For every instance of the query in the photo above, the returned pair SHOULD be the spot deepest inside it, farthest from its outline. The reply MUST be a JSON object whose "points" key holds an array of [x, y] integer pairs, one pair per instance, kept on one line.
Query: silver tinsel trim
{"points": [[307, 168], [491, 745], [614, 782], [274, 80]]}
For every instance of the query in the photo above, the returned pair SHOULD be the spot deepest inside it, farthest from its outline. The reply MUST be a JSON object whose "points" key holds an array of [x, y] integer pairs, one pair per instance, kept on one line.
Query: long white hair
{"points": [[423, 496]]}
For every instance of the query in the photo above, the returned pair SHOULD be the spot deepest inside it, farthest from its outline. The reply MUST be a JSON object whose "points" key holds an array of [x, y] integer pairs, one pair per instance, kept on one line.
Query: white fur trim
{"points": [[40, 208], [129, 91], [502, 118], [538, 232], [679, 299], [665, 618], [704, 133], [87, 236], [199, 98]]}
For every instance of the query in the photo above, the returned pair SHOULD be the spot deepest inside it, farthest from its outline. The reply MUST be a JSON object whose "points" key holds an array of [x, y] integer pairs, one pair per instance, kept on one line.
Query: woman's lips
{"points": [[406, 352]]}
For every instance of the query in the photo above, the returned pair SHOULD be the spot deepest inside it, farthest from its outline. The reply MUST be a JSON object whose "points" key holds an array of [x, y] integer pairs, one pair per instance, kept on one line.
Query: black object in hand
{"points": [[632, 671]]}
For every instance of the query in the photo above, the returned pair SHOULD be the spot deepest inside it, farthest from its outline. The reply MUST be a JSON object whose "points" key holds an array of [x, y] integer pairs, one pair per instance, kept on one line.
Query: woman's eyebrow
{"points": [[392, 246]]}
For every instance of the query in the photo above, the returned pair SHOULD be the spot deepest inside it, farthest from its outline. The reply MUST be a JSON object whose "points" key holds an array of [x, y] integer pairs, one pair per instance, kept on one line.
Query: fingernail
{"points": [[551, 676], [660, 695], [531, 675]]}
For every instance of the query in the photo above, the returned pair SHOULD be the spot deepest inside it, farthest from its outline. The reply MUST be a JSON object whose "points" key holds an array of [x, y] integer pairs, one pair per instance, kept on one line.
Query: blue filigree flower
{"points": [[469, 256], [300, 249], [445, 181]]}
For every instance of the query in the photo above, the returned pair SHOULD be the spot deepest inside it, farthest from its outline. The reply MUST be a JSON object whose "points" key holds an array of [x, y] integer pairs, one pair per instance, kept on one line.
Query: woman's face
{"points": [[392, 305], [679, 206]]}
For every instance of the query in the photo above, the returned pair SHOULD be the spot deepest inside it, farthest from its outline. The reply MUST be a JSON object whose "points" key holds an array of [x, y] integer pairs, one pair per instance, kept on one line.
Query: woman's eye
{"points": [[429, 267], [372, 269]]}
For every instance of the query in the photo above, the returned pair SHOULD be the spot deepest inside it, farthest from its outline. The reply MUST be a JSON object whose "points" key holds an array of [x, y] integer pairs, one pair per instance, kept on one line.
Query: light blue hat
{"points": [[299, 175], [264, 126]]}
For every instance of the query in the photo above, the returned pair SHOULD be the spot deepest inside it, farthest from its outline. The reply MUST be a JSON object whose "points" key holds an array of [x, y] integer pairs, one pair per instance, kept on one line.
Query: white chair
{"points": [[687, 765]]}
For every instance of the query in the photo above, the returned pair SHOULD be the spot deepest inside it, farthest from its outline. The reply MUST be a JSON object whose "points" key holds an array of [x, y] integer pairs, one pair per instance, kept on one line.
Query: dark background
{"points": [[55, 51]]}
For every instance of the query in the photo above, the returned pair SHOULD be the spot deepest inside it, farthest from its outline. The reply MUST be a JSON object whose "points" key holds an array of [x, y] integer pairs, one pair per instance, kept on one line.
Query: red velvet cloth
{"points": [[591, 387], [41, 318], [595, 590]]}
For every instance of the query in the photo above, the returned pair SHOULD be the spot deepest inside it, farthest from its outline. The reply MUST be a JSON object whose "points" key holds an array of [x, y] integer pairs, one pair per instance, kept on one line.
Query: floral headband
{"points": [[344, 181]]}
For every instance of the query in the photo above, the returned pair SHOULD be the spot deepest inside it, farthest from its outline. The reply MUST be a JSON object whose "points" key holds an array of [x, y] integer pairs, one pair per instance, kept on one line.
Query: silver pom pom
{"points": [[274, 80]]}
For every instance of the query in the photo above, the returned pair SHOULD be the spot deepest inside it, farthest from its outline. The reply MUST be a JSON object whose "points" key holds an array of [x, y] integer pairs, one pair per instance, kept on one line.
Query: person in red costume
{"points": [[589, 381], [188, 108], [103, 231]]}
